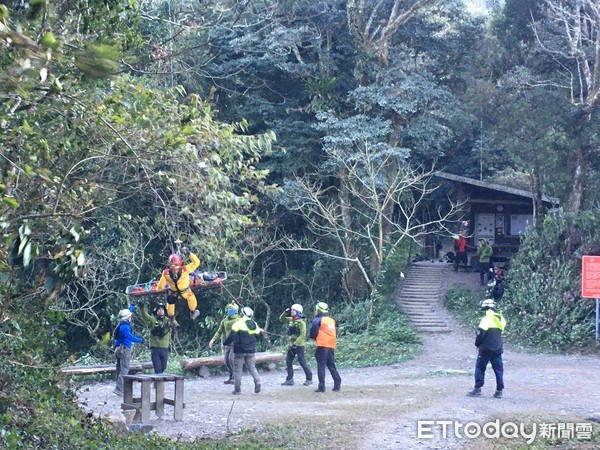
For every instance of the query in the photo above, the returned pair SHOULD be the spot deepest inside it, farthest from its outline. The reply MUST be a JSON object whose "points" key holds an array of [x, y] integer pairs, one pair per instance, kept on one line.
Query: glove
{"points": [[185, 250], [132, 307]]}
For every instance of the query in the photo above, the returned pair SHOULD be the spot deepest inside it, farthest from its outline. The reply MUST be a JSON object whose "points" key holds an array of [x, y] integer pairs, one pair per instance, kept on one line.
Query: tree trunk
{"points": [[578, 182]]}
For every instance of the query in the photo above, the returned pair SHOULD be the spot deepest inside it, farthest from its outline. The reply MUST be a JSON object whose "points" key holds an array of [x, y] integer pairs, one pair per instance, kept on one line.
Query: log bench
{"points": [[134, 367], [270, 358], [144, 404]]}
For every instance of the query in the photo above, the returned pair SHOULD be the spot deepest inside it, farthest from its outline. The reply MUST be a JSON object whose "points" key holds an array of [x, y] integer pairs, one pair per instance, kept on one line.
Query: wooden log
{"points": [[104, 368], [215, 361]]}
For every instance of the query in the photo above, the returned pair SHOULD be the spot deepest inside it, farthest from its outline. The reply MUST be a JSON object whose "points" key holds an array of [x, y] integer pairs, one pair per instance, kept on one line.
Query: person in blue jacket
{"points": [[124, 340]]}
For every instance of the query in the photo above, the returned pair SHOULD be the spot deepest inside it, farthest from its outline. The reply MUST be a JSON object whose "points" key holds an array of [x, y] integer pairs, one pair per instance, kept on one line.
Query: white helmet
{"points": [[124, 314], [298, 308], [488, 303], [247, 311]]}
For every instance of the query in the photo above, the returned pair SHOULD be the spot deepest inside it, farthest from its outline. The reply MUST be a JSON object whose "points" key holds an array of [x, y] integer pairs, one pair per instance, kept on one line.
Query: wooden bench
{"points": [[144, 404], [216, 361], [134, 367]]}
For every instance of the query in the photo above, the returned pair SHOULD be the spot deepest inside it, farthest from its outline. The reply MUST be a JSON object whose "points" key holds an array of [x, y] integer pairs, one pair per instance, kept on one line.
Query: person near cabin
{"points": [[160, 336], [223, 332], [484, 252], [460, 249], [323, 331], [297, 332], [489, 348], [177, 277], [242, 337], [124, 340]]}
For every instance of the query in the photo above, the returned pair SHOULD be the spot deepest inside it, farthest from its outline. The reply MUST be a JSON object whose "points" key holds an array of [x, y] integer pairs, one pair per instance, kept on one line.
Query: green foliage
{"points": [[542, 302]]}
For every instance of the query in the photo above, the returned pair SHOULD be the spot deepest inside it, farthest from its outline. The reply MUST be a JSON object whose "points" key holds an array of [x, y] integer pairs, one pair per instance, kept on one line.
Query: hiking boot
{"points": [[321, 389], [307, 383], [230, 381], [172, 322], [288, 383], [194, 314], [256, 388], [498, 394], [237, 392], [336, 388], [476, 392]]}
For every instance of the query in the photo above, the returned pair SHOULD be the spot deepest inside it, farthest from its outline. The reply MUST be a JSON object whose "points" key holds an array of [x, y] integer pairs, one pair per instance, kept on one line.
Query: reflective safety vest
{"points": [[327, 334], [492, 320]]}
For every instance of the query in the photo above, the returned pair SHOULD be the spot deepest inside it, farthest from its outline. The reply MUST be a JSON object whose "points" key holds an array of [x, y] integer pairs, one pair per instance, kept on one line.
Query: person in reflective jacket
{"points": [[296, 323], [243, 338], [490, 346], [223, 332], [323, 331]]}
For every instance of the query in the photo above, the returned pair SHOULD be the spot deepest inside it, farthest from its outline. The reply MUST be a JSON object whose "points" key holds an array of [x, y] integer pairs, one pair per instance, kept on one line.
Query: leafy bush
{"points": [[542, 302]]}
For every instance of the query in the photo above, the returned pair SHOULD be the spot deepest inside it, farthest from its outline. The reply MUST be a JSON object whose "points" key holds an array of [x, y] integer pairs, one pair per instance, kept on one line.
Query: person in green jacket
{"points": [[160, 336], [222, 332], [297, 331], [485, 253]]}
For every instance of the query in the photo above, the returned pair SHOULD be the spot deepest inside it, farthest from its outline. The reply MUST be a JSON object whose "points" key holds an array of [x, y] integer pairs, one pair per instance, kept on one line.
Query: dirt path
{"points": [[379, 407]]}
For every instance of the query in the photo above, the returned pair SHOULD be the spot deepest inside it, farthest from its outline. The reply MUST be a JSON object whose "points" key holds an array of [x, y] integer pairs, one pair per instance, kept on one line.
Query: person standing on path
{"points": [[124, 340], [485, 253], [160, 336], [460, 247], [243, 338], [223, 331], [297, 331], [323, 331], [490, 346]]}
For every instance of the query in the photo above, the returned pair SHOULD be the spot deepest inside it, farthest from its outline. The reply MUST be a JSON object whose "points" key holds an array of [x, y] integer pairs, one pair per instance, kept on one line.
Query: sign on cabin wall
{"points": [[519, 223], [484, 227]]}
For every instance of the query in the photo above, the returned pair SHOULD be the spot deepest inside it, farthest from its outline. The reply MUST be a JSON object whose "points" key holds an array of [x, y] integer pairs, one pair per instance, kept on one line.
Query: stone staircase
{"points": [[419, 297]]}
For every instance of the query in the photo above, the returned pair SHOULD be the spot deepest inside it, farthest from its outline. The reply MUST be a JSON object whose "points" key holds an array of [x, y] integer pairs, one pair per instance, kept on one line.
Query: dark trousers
{"points": [[229, 357], [483, 358], [460, 257], [289, 359], [325, 357], [484, 271], [160, 358]]}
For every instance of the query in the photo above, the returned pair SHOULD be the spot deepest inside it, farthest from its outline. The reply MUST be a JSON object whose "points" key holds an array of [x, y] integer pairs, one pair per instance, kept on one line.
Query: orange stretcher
{"points": [[198, 280]]}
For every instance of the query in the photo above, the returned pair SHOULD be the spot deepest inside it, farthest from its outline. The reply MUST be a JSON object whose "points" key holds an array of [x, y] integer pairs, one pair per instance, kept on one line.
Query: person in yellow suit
{"points": [[177, 277]]}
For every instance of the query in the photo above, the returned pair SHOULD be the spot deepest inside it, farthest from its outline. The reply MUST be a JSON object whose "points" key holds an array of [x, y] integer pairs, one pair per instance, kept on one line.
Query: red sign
{"points": [[590, 277]]}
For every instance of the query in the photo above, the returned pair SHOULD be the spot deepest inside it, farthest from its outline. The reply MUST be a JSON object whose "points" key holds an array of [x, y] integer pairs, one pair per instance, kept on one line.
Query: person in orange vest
{"points": [[322, 330], [177, 277]]}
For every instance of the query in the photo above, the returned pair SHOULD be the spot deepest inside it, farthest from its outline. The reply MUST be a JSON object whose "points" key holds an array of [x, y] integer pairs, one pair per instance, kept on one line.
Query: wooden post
{"points": [[160, 397], [146, 384], [178, 397]]}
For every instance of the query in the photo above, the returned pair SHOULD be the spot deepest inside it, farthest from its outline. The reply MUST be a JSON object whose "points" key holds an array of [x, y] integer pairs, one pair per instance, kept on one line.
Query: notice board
{"points": [[590, 277]]}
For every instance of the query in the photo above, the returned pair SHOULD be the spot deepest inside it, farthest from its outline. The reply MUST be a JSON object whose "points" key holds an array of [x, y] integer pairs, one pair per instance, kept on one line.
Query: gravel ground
{"points": [[380, 407]]}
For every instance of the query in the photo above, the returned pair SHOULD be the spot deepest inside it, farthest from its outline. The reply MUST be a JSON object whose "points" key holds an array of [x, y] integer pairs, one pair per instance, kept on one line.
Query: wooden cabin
{"points": [[498, 213]]}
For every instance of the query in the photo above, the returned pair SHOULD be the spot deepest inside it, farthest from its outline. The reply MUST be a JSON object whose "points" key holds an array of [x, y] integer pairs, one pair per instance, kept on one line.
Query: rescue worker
{"points": [[323, 331], [484, 252], [297, 331], [243, 339], [177, 277], [223, 332], [489, 345], [160, 336], [124, 340]]}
